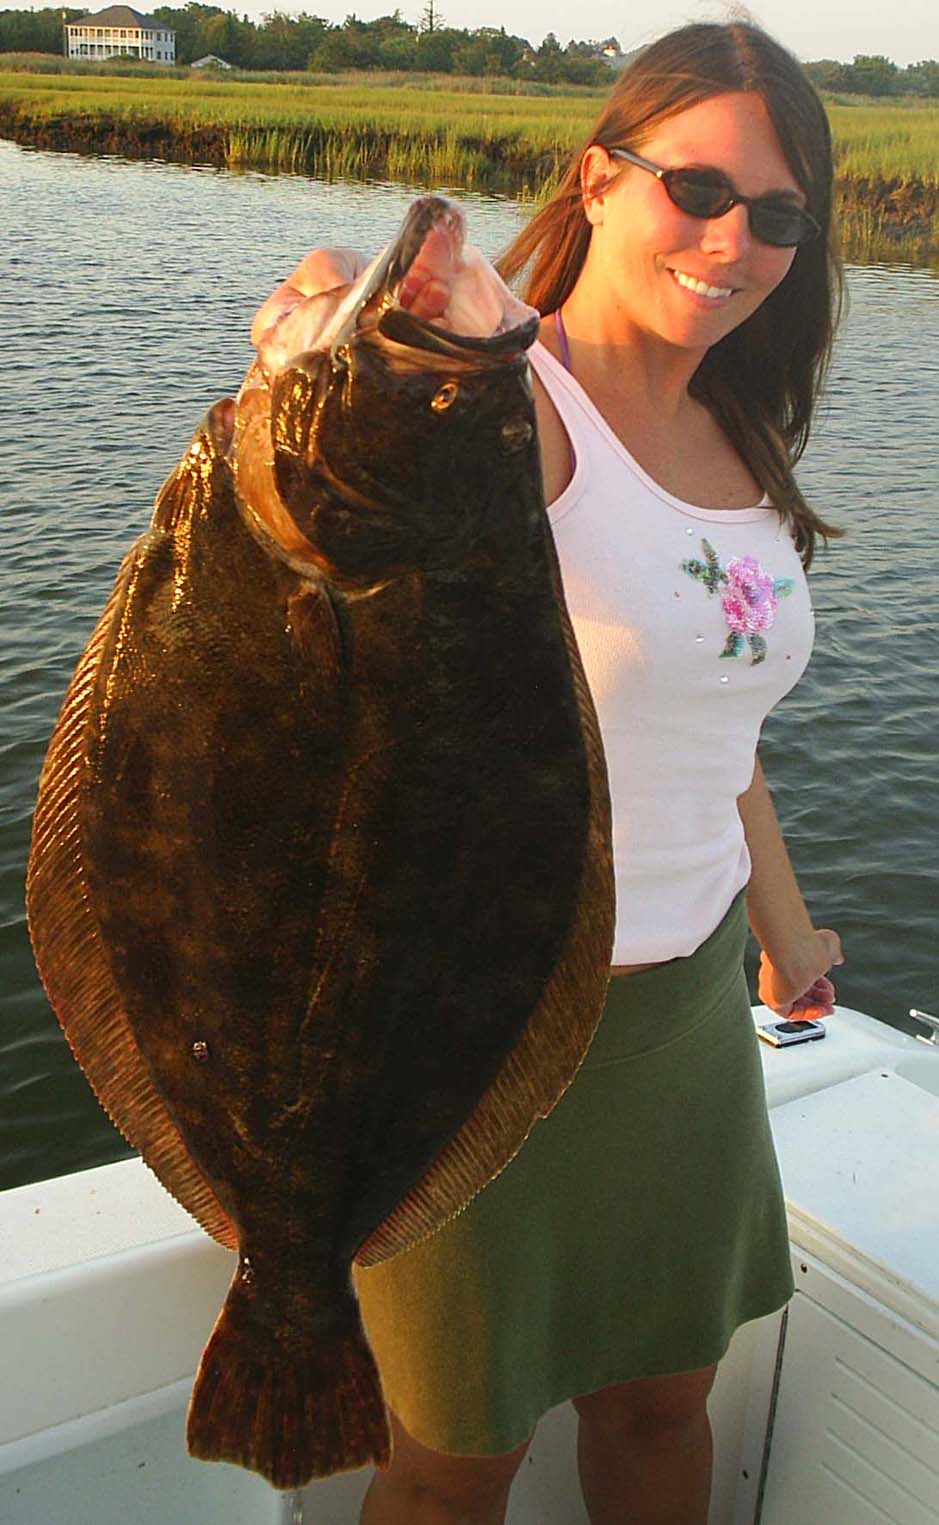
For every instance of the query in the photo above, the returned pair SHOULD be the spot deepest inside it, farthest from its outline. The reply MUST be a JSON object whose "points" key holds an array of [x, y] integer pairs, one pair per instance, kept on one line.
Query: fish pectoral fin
{"points": [[289, 1406]]}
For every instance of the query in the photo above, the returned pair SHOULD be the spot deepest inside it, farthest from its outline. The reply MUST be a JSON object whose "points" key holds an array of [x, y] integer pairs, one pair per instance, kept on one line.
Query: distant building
{"points": [[119, 29], [210, 61]]}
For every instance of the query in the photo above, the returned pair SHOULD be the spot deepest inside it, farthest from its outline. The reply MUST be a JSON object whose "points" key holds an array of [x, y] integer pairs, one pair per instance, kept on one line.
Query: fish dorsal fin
{"points": [[70, 952]]}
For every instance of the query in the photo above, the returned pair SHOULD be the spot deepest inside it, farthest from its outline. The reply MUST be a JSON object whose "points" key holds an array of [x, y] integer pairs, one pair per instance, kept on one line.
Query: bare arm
{"points": [[795, 955]]}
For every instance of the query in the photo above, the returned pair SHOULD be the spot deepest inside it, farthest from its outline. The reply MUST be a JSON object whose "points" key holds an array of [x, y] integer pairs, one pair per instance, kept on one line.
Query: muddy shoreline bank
{"points": [[877, 216]]}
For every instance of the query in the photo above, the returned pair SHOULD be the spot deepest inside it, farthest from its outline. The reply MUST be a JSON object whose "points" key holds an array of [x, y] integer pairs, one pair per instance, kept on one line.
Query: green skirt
{"points": [[640, 1224]]}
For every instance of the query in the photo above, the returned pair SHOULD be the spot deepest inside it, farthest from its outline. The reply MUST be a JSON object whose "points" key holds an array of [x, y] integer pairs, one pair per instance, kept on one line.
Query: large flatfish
{"points": [[320, 885]]}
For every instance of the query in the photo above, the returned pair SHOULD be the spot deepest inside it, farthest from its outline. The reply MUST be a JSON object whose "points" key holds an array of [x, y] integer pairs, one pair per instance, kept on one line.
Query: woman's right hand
{"points": [[319, 271], [425, 289], [804, 992]]}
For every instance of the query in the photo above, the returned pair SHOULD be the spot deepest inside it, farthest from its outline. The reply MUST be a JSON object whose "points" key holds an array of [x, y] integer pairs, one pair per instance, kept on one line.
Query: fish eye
{"points": [[444, 397]]}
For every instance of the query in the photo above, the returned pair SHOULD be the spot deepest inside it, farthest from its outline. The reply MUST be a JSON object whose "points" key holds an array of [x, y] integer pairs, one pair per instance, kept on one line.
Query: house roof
{"points": [[122, 15]]}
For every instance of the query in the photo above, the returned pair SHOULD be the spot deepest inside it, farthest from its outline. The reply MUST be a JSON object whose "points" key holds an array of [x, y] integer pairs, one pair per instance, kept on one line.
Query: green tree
{"points": [[828, 74], [502, 51], [549, 60], [921, 78], [187, 22], [872, 74], [398, 51], [435, 50], [286, 42], [35, 31], [431, 19], [470, 56], [350, 46]]}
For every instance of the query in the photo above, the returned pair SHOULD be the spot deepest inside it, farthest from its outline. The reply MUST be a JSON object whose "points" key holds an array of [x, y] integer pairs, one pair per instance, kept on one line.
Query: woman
{"points": [[688, 288]]}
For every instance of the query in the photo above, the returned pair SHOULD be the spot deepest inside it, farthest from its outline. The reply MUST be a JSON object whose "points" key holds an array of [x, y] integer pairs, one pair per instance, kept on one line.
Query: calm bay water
{"points": [[126, 297]]}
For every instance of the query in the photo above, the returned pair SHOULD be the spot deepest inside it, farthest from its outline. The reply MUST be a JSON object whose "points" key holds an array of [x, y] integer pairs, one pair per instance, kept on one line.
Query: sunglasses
{"points": [[707, 193]]}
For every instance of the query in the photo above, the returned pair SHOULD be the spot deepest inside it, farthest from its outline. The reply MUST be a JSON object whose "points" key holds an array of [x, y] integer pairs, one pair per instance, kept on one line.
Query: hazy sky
{"points": [[905, 30]]}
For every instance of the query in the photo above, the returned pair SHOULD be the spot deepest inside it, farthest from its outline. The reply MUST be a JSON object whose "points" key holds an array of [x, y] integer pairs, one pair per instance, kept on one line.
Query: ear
{"points": [[596, 168]]}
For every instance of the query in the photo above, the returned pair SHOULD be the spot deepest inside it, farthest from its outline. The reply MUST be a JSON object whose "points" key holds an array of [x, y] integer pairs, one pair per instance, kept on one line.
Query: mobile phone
{"points": [[781, 1034]]}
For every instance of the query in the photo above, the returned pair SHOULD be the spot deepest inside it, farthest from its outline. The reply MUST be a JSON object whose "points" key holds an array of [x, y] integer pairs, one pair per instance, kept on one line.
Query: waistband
{"points": [[647, 1010]]}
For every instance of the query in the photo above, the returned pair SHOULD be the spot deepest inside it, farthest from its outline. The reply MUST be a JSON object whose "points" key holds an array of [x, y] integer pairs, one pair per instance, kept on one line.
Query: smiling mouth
{"points": [[700, 288]]}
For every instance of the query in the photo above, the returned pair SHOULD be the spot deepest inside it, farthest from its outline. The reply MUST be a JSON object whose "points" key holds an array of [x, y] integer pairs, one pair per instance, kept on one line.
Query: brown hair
{"points": [[762, 380]]}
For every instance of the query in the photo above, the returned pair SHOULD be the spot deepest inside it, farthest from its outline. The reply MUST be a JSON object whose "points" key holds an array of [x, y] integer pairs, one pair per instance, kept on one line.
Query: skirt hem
{"points": [[614, 1377]]}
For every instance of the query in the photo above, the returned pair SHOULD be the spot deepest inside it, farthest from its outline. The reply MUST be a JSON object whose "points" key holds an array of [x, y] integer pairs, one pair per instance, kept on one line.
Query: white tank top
{"points": [[692, 624]]}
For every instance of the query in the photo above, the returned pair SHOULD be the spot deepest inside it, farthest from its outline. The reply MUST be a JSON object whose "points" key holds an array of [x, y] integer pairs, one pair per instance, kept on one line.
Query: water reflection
{"points": [[128, 294]]}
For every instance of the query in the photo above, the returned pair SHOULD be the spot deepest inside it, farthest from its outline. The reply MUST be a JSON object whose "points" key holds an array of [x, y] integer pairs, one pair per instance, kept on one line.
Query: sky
{"points": [[904, 30]]}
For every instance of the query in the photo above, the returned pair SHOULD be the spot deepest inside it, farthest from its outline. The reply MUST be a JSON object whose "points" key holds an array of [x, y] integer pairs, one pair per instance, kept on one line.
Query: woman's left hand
{"points": [[804, 992]]}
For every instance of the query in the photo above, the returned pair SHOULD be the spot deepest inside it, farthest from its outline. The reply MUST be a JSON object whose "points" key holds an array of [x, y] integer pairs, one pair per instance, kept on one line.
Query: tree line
{"points": [[280, 42], [304, 42], [872, 74]]}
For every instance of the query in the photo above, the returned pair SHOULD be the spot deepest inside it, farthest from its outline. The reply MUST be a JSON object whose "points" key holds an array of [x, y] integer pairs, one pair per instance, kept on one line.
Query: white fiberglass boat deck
{"points": [[828, 1415]]}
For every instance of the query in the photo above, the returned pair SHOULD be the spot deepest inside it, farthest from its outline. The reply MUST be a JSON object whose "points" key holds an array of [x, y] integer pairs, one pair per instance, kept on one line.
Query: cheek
{"points": [[772, 266]]}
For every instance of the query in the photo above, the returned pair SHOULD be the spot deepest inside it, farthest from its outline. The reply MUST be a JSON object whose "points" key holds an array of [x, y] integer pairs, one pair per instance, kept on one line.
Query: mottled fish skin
{"points": [[344, 831]]}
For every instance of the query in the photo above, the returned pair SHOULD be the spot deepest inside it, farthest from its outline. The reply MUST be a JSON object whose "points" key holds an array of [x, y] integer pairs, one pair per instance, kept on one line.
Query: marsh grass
{"points": [[425, 130], [887, 142], [197, 102], [455, 84], [346, 128]]}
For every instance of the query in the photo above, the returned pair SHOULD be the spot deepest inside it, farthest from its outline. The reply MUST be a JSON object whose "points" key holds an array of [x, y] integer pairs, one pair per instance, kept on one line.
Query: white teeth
{"points": [[701, 287]]}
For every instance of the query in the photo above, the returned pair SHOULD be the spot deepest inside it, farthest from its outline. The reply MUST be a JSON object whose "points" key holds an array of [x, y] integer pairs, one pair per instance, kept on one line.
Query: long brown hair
{"points": [[762, 380]]}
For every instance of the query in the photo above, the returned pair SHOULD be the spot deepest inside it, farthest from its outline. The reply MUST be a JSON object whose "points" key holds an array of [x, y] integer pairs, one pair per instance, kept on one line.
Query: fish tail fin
{"points": [[290, 1409]]}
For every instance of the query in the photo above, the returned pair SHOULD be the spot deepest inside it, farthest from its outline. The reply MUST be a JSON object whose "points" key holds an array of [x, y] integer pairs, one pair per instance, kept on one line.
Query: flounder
{"points": [[320, 885]]}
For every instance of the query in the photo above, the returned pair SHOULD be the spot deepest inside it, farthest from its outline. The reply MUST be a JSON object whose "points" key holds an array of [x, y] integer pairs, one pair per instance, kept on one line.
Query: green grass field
{"points": [[435, 129], [887, 142]]}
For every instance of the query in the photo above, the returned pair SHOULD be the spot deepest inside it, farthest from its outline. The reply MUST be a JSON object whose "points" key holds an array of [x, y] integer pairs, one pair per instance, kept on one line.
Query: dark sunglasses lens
{"points": [[698, 193], [781, 223], [702, 194]]}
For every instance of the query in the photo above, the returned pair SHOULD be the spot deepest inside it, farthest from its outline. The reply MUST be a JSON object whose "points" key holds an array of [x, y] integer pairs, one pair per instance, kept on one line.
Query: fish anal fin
{"points": [[71, 956], [290, 1410]]}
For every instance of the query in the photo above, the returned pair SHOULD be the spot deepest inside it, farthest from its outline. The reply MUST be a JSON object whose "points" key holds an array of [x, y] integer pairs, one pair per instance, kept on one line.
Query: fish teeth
{"points": [[701, 287]]}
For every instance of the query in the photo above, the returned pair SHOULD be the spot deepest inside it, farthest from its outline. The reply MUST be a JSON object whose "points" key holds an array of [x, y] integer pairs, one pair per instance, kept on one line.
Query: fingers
{"points": [[425, 288], [425, 296], [816, 1003], [322, 270]]}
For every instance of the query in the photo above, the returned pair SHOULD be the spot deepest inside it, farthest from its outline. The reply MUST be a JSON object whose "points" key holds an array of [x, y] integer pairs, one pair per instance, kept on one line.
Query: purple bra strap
{"points": [[566, 362]]}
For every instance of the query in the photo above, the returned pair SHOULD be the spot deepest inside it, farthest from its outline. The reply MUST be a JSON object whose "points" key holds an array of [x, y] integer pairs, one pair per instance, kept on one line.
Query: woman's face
{"points": [[649, 262]]}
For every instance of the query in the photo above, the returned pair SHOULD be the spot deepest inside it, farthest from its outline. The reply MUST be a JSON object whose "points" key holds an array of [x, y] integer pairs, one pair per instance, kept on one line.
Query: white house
{"points": [[119, 29]]}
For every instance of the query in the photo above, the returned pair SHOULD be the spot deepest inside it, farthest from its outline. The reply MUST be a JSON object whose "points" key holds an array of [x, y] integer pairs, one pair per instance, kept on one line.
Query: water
{"points": [[126, 296]]}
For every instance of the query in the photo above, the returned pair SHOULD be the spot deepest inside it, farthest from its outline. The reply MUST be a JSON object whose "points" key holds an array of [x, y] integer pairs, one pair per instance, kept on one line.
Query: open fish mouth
{"points": [[474, 312]]}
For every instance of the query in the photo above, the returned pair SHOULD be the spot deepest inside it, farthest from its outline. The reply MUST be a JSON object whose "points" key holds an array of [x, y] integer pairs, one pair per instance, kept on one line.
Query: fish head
{"points": [[398, 440]]}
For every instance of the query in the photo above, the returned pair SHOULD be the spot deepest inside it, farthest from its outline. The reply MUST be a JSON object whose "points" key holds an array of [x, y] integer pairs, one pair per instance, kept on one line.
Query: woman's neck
{"points": [[608, 351]]}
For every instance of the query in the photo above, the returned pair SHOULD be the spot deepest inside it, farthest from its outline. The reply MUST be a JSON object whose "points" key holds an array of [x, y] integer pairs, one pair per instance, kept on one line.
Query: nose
{"points": [[729, 235]]}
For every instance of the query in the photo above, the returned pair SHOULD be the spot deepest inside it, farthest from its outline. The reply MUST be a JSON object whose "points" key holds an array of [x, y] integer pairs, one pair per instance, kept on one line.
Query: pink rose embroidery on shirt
{"points": [[749, 597]]}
